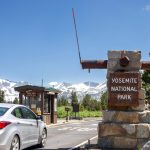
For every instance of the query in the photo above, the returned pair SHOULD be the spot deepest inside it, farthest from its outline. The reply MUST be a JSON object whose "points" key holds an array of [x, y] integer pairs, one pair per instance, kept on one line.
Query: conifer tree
{"points": [[2, 96], [16, 101], [87, 102], [74, 99], [104, 101]]}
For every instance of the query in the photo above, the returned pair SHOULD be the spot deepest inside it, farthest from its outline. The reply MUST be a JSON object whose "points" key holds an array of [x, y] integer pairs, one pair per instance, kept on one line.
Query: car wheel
{"points": [[15, 144], [43, 138]]}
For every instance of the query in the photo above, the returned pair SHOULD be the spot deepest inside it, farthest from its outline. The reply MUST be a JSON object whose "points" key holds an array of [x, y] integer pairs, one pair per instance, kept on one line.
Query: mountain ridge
{"points": [[92, 88]]}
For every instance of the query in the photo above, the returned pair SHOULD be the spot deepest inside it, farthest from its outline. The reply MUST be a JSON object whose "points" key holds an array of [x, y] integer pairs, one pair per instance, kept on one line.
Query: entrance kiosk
{"points": [[41, 100]]}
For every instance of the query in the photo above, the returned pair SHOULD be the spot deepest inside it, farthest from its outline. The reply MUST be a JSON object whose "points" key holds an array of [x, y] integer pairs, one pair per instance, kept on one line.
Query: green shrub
{"points": [[85, 113], [61, 113]]}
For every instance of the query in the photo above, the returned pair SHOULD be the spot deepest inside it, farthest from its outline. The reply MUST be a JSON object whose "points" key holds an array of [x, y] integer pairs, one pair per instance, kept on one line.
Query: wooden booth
{"points": [[41, 100]]}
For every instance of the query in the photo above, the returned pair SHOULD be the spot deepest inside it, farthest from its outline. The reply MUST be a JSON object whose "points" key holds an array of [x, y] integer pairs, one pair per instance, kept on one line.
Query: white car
{"points": [[20, 128]]}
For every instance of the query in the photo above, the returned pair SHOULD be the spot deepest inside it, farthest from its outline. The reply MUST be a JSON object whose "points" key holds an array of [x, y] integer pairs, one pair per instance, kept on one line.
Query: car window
{"points": [[28, 114], [3, 110], [17, 113]]}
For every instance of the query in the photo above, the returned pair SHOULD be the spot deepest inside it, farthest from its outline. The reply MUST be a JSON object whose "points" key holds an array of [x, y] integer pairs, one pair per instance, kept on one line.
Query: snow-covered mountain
{"points": [[91, 88], [8, 88]]}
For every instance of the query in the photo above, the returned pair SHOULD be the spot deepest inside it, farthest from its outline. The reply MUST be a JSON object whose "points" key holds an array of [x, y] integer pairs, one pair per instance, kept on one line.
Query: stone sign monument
{"points": [[126, 123]]}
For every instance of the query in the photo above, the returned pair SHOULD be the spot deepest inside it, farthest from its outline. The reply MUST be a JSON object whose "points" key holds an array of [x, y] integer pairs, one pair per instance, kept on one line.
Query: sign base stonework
{"points": [[124, 129], [126, 123]]}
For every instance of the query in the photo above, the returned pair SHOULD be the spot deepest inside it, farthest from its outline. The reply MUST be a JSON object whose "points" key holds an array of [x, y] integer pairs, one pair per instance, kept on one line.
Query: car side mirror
{"points": [[39, 117]]}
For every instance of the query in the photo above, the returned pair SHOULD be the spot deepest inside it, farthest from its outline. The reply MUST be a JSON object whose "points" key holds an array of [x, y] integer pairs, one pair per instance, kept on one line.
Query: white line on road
{"points": [[83, 143], [79, 129]]}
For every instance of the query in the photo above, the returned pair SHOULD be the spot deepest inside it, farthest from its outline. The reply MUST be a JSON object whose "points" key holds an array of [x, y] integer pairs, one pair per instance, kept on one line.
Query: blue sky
{"points": [[37, 37]]}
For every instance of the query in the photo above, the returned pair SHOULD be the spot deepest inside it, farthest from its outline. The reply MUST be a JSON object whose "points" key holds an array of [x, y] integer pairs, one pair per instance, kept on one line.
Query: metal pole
{"points": [[76, 34]]}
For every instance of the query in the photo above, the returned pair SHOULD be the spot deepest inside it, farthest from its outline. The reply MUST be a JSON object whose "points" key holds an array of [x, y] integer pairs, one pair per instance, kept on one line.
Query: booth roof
{"points": [[52, 90], [36, 88]]}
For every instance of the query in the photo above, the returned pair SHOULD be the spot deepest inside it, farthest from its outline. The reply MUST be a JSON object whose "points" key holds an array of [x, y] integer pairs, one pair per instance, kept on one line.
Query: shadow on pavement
{"points": [[35, 148]]}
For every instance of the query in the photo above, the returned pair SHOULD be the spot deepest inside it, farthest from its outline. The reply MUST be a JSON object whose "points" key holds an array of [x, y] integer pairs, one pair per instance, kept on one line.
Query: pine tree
{"points": [[16, 101], [104, 101], [90, 104], [74, 99], [62, 101], [2, 96], [87, 102]]}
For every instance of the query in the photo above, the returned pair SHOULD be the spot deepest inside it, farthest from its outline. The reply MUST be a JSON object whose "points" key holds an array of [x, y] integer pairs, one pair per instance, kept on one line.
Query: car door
{"points": [[21, 125], [33, 129]]}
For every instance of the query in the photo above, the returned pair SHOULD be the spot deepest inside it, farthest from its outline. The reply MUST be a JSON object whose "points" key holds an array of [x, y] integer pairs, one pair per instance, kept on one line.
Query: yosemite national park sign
{"points": [[123, 89]]}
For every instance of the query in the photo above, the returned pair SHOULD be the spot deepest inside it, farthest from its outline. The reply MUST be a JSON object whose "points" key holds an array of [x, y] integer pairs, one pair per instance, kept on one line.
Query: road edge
{"points": [[83, 143]]}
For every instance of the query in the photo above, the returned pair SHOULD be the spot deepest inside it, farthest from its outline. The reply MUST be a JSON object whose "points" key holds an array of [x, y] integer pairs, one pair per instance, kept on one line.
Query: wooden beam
{"points": [[102, 64], [94, 64], [145, 65]]}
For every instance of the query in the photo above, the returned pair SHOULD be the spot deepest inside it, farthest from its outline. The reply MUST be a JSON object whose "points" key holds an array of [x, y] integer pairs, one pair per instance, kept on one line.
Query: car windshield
{"points": [[3, 110]]}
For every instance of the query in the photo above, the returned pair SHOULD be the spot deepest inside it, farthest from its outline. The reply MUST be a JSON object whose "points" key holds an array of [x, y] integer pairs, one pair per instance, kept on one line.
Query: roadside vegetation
{"points": [[146, 84], [85, 113], [88, 107]]}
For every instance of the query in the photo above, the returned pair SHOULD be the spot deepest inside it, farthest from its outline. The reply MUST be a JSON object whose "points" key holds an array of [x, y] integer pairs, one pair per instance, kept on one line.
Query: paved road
{"points": [[69, 135]]}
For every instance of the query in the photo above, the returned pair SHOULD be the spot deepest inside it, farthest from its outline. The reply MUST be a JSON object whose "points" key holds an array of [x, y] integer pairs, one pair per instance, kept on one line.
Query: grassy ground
{"points": [[62, 113]]}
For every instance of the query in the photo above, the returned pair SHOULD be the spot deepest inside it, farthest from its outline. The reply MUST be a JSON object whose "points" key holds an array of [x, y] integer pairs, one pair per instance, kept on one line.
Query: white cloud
{"points": [[147, 7]]}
